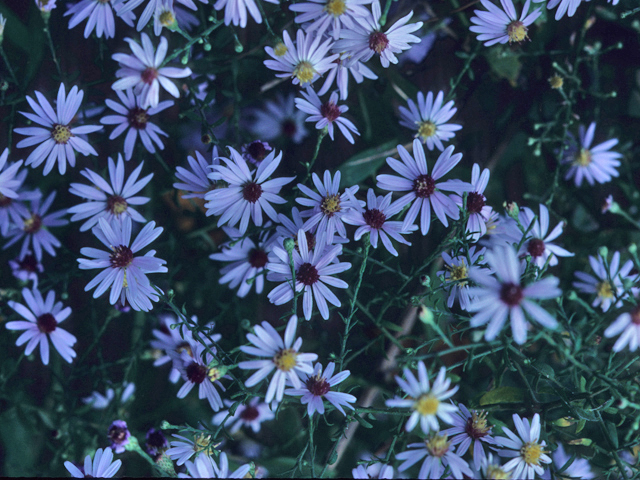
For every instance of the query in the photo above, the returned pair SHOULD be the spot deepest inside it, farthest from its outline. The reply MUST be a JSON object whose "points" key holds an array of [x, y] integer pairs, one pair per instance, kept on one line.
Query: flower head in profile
{"points": [[375, 470], [627, 325], [595, 164], [456, 274], [27, 268], [564, 6], [119, 435], [426, 400], [102, 465], [479, 213], [503, 25], [206, 467], [429, 117], [155, 442], [57, 141], [196, 179], [439, 454], [526, 450], [327, 113], [283, 356], [250, 415], [279, 118], [46, 6], [41, 319], [99, 401]]}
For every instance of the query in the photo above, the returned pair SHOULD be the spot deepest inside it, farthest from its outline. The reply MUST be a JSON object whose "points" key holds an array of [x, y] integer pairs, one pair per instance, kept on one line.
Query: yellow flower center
{"points": [[330, 205], [517, 31], [61, 133], [556, 81], [583, 158], [426, 129], [494, 472], [437, 445], [335, 7], [201, 442], [457, 273], [531, 452], [280, 49], [214, 374], [166, 18], [304, 72], [285, 360], [426, 404], [604, 289]]}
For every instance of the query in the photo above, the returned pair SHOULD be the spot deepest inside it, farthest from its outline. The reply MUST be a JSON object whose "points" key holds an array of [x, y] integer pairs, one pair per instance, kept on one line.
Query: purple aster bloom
{"points": [[41, 319], [119, 435], [280, 118], [111, 202], [314, 270], [323, 14], [374, 219], [26, 269], [579, 467], [98, 401], [183, 449], [439, 454], [58, 141], [142, 71], [34, 228], [627, 325], [470, 427], [248, 192], [375, 470], [429, 117], [566, 6], [366, 38], [195, 179], [206, 467], [12, 211], [46, 6], [196, 370], [255, 152], [123, 272], [235, 11], [318, 386], [100, 15], [479, 212], [101, 467], [595, 164], [345, 66], [156, 443], [283, 356], [502, 25], [504, 296], [326, 114], [608, 284], [9, 178], [456, 274], [526, 450], [422, 186], [250, 415], [131, 116]]}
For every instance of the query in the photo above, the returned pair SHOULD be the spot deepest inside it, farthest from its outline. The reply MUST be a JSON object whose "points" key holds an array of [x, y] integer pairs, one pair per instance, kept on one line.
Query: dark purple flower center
{"points": [[196, 373], [511, 294], [424, 186], [307, 274], [374, 218], [251, 192], [311, 241], [29, 263], [330, 111], [46, 323], [378, 42], [257, 150], [318, 386], [477, 426], [116, 204], [289, 127], [536, 247], [4, 201], [138, 118], [257, 258], [250, 413], [156, 441], [118, 434], [475, 202], [149, 75], [32, 224], [122, 256]]}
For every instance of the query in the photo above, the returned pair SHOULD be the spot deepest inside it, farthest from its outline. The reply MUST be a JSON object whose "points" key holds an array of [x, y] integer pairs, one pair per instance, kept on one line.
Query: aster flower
{"points": [[155, 442], [100, 16], [183, 449], [375, 470], [98, 401], [479, 212], [205, 467], [422, 186], [58, 141], [109, 201], [196, 370], [627, 325], [164, 16], [526, 450], [456, 274], [502, 25], [142, 72], [539, 244], [429, 117], [314, 270], [248, 260], [504, 296], [491, 468], [373, 220], [124, 273], [326, 114], [283, 356], [9, 179], [579, 467], [305, 61], [255, 152], [34, 228], [195, 179], [366, 38], [46, 6], [608, 284], [40, 324], [235, 11], [131, 116], [248, 193], [119, 435], [595, 164], [26, 269], [280, 118], [328, 206], [425, 400], [470, 428], [323, 14], [439, 455], [12, 211], [345, 66], [319, 385], [101, 467], [250, 415], [565, 6], [151, 8]]}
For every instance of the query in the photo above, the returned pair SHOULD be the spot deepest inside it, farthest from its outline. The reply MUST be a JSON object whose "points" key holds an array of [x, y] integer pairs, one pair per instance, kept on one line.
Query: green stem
{"points": [[51, 47], [6, 62]]}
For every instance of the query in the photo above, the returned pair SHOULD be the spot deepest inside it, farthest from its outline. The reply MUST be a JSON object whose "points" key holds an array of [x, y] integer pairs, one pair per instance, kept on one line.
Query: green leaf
{"points": [[366, 164], [546, 370], [581, 423], [587, 415], [613, 433], [504, 64], [362, 421], [503, 395]]}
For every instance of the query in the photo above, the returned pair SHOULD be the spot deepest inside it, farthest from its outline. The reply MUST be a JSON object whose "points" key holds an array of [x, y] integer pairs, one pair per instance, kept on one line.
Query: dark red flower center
{"points": [[121, 257], [138, 118], [536, 247], [46, 323], [257, 258], [475, 202], [117, 434], [378, 42], [477, 426], [424, 186], [307, 274], [250, 413], [251, 192], [374, 218], [511, 294], [257, 150], [330, 111], [4, 201], [29, 263], [289, 127], [318, 386], [196, 373], [149, 75], [32, 224]]}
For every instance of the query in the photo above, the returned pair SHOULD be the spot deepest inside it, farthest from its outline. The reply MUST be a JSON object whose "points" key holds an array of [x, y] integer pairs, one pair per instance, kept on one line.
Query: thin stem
{"points": [[6, 61], [51, 47]]}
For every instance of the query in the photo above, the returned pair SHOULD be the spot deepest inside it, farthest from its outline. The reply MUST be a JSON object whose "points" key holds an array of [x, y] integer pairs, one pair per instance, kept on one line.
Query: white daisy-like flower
{"points": [[195, 366], [279, 118], [305, 61], [12, 208], [456, 274], [627, 325], [526, 450], [502, 25], [366, 38], [322, 14], [98, 401], [196, 179], [182, 450], [326, 114], [250, 415], [58, 141], [318, 386], [479, 212], [375, 470], [564, 6], [429, 117], [151, 8], [26, 269], [100, 16], [142, 71], [439, 454], [608, 284], [110, 201], [132, 117], [100, 467], [503, 296], [470, 427], [426, 400], [235, 11], [206, 467], [579, 467], [283, 356], [345, 66], [45, 6], [40, 324], [9, 179], [248, 192]]}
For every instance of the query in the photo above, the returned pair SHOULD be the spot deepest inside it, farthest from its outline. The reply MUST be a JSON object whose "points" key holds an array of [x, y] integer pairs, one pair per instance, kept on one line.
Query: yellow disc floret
{"points": [[437, 445], [285, 360], [61, 133], [531, 452], [426, 404], [304, 72], [335, 7], [426, 129], [604, 289], [583, 158], [280, 49], [517, 31]]}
